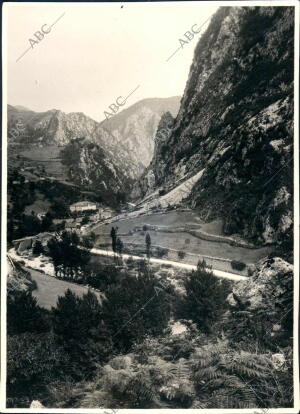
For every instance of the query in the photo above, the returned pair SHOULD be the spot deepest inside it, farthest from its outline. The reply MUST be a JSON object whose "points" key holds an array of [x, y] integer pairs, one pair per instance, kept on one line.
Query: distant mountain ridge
{"points": [[128, 136], [99, 159]]}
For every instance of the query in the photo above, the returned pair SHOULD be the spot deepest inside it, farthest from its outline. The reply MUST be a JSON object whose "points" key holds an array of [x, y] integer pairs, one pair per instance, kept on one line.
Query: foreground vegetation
{"points": [[120, 353]]}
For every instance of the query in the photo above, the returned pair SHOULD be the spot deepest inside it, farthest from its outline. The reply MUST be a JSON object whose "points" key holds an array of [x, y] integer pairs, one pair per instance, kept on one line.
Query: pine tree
{"points": [[113, 235], [148, 245], [38, 248], [119, 246], [205, 299], [24, 314], [80, 329]]}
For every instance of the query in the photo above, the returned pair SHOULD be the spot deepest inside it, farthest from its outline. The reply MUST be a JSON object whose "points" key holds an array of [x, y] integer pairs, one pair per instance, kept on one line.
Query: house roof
{"points": [[83, 204]]}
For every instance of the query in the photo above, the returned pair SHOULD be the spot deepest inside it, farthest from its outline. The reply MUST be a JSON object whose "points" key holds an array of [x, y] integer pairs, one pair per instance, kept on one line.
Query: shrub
{"points": [[25, 315], [160, 252], [205, 299], [150, 307], [79, 326], [38, 248], [130, 261], [235, 264], [181, 254], [33, 360], [187, 241], [145, 227]]}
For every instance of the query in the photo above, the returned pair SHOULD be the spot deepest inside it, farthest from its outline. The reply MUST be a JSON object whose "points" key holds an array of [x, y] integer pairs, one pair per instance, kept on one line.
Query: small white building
{"points": [[83, 206]]}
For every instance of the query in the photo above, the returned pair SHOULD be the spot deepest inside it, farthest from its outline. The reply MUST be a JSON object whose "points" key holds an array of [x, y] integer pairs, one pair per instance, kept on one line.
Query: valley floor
{"points": [[182, 231], [218, 273]]}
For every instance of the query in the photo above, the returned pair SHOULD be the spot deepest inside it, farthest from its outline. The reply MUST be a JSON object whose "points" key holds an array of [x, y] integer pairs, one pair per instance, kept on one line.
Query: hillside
{"points": [[136, 126], [127, 138], [235, 123]]}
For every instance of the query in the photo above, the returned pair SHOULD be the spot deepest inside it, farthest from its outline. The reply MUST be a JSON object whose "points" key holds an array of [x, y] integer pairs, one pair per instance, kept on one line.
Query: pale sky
{"points": [[98, 52]]}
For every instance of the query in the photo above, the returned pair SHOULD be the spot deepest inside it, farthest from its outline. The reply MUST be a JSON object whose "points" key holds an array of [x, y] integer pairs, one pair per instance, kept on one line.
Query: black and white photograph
{"points": [[150, 207]]}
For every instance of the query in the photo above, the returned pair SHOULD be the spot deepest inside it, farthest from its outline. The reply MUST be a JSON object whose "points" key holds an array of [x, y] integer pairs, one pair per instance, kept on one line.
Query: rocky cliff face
{"points": [[153, 175], [136, 126], [94, 168], [236, 123]]}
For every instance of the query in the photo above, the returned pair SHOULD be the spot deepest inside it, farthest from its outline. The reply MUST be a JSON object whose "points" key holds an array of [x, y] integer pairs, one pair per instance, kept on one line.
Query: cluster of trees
{"points": [[116, 349], [70, 342], [118, 246], [69, 258], [22, 194]]}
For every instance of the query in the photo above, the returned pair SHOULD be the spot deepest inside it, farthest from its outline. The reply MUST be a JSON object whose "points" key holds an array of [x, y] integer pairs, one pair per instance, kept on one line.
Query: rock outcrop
{"points": [[136, 127], [236, 123], [18, 280]]}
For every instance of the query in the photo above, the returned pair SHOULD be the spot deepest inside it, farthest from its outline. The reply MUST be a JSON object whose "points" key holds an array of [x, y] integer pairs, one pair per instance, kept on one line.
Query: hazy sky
{"points": [[96, 53]]}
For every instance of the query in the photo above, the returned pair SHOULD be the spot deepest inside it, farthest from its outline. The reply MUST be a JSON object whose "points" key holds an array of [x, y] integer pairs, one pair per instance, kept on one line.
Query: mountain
{"points": [[136, 126], [92, 167], [234, 129], [127, 138]]}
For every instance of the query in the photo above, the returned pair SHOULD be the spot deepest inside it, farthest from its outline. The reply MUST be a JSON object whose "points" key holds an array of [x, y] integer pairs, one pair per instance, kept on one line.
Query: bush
{"points": [[145, 227], [187, 241], [79, 326], [160, 252], [33, 360], [150, 307], [130, 262], [181, 254], [38, 248], [235, 264], [205, 299], [25, 315]]}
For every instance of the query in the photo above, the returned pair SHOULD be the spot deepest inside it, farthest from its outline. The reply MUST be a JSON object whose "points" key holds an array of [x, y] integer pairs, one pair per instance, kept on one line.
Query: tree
{"points": [[85, 220], [47, 222], [148, 245], [135, 307], [68, 258], [38, 248], [88, 240], [205, 299], [33, 361], [29, 226], [119, 246], [80, 329], [24, 314], [10, 229], [113, 235], [181, 254], [60, 208]]}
